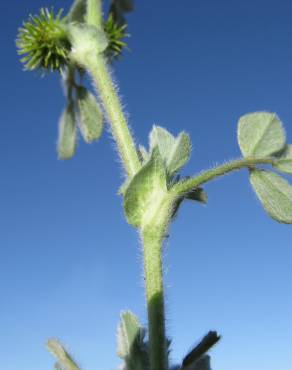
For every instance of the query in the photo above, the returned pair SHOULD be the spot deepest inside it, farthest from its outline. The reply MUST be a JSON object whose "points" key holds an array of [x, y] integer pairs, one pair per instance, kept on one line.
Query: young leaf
{"points": [[64, 359], [175, 152], [260, 134], [128, 332], [180, 153], [67, 133], [275, 194], [284, 162], [90, 115], [146, 193], [131, 346], [161, 138]]}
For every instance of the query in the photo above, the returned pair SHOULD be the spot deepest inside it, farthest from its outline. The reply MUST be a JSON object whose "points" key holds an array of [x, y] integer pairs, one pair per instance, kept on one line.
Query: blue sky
{"points": [[69, 262]]}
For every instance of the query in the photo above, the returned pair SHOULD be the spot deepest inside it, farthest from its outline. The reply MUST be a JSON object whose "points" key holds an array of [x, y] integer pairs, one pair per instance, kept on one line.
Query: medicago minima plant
{"points": [[83, 42]]}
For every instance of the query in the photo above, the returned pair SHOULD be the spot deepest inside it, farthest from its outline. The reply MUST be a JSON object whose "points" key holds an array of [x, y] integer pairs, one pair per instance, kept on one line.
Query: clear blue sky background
{"points": [[69, 262]]}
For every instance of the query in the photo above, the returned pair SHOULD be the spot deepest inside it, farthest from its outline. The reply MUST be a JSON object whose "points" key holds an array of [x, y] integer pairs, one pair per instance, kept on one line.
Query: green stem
{"points": [[97, 67], [155, 300], [189, 184], [94, 13]]}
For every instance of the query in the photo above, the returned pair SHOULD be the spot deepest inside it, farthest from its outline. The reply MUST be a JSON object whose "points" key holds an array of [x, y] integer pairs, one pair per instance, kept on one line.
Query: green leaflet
{"points": [[131, 346], [129, 331], [146, 195], [67, 133], [284, 163], [260, 134], [90, 115], [275, 194], [175, 152], [64, 359]]}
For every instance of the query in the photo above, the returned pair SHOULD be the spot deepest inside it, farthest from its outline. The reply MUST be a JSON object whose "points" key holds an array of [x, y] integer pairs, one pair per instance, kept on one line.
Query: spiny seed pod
{"points": [[67, 133], [43, 40], [115, 34], [90, 115]]}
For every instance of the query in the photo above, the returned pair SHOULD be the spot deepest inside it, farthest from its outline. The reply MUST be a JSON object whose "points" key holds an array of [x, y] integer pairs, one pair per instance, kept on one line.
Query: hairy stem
{"points": [[155, 300], [189, 184], [119, 127], [94, 13]]}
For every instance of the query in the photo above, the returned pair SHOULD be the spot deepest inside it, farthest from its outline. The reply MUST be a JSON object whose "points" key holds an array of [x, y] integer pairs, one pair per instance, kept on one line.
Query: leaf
{"points": [[161, 138], [65, 360], [146, 193], [180, 153], [260, 134], [131, 346], [284, 162], [175, 152], [90, 115], [67, 133], [128, 332], [275, 194]]}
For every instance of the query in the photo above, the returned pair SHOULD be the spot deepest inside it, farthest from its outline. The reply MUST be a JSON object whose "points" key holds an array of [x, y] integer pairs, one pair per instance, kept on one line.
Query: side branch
{"points": [[185, 186]]}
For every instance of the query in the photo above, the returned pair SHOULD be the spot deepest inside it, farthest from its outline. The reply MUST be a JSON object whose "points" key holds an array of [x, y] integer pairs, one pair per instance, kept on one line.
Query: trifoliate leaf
{"points": [[275, 194], [260, 134], [67, 133], [284, 162], [64, 359], [90, 115], [145, 196], [175, 152]]}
